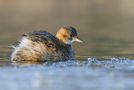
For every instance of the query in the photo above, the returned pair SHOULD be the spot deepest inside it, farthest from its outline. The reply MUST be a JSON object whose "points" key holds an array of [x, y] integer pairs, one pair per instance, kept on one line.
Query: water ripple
{"points": [[91, 74]]}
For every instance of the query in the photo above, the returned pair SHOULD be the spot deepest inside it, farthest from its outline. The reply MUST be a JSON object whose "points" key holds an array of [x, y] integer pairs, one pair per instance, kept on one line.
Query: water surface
{"points": [[114, 74], [105, 26]]}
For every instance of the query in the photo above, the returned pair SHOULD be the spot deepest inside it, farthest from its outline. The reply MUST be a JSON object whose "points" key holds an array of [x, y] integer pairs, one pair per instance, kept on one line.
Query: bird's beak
{"points": [[77, 40]]}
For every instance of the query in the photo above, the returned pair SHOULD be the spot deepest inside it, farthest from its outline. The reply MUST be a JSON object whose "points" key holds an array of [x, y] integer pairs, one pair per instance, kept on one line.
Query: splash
{"points": [[90, 74]]}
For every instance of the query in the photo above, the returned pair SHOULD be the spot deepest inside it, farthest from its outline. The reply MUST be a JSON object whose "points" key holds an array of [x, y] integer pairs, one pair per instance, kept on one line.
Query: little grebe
{"points": [[41, 46]]}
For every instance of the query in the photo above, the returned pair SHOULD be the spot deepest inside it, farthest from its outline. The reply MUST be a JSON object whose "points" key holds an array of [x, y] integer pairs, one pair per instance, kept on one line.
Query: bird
{"points": [[41, 46]]}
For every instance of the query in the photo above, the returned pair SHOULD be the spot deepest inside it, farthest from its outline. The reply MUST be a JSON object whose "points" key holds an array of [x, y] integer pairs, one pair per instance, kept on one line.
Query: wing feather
{"points": [[43, 37]]}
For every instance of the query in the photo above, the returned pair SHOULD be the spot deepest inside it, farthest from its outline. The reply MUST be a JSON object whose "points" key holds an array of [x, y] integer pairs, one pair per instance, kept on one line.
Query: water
{"points": [[105, 26], [91, 74]]}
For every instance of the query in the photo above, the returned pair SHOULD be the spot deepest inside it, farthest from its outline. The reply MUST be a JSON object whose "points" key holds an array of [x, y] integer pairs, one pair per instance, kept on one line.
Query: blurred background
{"points": [[105, 26]]}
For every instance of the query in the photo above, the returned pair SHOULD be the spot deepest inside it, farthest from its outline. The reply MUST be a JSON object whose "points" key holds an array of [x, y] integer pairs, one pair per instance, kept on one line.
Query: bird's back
{"points": [[41, 36]]}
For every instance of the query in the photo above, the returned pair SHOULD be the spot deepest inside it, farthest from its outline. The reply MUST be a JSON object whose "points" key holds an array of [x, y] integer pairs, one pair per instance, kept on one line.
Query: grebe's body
{"points": [[40, 46]]}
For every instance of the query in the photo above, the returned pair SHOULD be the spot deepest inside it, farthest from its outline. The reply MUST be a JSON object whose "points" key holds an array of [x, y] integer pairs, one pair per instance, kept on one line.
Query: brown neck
{"points": [[60, 37]]}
